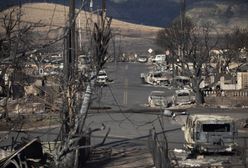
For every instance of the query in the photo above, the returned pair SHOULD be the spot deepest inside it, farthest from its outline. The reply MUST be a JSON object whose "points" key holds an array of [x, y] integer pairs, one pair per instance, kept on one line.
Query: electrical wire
{"points": [[50, 25], [116, 101], [125, 116], [100, 97]]}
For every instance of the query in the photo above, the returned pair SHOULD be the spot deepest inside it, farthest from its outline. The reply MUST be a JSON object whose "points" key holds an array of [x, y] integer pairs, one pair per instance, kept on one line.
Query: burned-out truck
{"points": [[210, 133]]}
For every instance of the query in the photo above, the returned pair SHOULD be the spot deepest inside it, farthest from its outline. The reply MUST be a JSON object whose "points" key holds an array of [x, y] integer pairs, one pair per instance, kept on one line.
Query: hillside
{"points": [[147, 12], [129, 37], [130, 33], [223, 14], [33, 12]]}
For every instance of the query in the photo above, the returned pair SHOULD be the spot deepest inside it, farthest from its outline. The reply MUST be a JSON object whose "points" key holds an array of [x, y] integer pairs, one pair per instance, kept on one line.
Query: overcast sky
{"points": [[119, 1]]}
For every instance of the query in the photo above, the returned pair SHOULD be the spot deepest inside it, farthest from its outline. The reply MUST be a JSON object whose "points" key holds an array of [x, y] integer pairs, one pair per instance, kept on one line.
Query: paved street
{"points": [[128, 131], [127, 90], [127, 139]]}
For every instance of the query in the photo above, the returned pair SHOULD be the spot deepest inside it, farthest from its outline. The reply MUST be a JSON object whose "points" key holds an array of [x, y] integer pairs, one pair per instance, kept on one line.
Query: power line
{"points": [[52, 18], [126, 117]]}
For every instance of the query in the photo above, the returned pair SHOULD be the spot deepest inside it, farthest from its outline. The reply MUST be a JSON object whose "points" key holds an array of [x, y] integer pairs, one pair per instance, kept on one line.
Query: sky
{"points": [[120, 1]]}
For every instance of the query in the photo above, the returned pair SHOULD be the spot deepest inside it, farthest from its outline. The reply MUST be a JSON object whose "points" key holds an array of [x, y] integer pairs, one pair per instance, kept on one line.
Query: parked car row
{"points": [[180, 97], [164, 78]]}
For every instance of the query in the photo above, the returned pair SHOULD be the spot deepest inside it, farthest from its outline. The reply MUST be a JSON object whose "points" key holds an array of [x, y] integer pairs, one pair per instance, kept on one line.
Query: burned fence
{"points": [[227, 93]]}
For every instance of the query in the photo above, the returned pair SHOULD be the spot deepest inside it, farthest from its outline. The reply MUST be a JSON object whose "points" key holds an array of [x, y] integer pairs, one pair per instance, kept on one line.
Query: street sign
{"points": [[150, 50]]}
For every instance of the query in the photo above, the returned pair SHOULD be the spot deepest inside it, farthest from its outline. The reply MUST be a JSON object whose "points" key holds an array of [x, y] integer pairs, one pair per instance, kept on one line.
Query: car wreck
{"points": [[157, 78], [210, 133], [159, 99], [183, 96]]}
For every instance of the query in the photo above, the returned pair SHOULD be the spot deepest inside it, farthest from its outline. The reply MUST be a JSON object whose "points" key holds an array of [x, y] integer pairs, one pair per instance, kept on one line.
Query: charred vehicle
{"points": [[183, 96], [210, 133], [159, 99], [181, 82], [157, 78]]}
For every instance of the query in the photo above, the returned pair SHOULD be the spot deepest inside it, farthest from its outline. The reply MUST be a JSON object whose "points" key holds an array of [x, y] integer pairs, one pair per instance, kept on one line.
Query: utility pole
{"points": [[103, 8], [69, 66], [91, 6], [182, 46], [103, 13], [70, 56], [114, 48], [182, 13], [80, 32]]}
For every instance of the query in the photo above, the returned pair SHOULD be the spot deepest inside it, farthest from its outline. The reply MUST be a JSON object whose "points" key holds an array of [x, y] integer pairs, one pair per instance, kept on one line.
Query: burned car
{"points": [[181, 82], [210, 133], [159, 99], [157, 78], [183, 96]]}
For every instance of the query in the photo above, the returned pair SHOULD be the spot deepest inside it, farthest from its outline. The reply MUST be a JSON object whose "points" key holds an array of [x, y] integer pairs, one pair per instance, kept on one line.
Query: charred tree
{"points": [[15, 47], [75, 137], [190, 46]]}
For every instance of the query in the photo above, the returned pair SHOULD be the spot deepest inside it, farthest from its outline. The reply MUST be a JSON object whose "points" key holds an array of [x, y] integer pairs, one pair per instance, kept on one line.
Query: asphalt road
{"points": [[127, 90], [124, 127], [126, 93]]}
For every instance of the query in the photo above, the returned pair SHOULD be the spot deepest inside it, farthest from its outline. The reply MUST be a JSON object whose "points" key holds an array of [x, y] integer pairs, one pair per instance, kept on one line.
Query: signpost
{"points": [[150, 50]]}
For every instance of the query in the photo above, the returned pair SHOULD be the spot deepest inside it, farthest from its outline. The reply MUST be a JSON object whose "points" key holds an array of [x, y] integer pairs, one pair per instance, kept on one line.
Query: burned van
{"points": [[210, 133]]}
